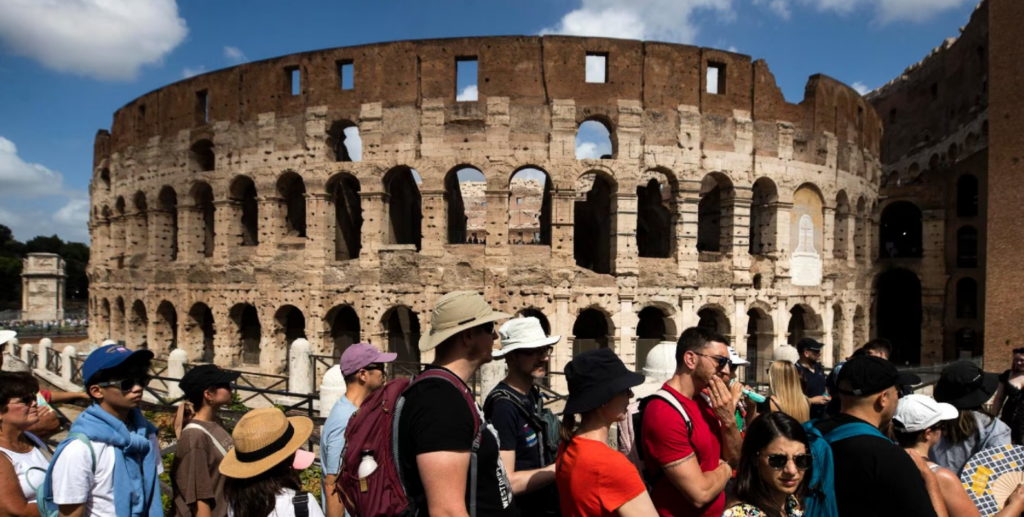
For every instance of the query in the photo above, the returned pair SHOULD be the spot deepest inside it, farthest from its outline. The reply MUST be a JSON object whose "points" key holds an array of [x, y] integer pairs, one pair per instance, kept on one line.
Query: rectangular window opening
{"points": [[202, 107], [716, 78], [466, 79], [346, 71], [294, 80], [597, 67], [519, 200]]}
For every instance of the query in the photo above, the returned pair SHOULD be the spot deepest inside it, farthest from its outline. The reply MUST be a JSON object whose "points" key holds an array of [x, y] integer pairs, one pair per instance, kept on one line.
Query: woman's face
{"points": [[786, 478], [21, 413], [1018, 362], [615, 409]]}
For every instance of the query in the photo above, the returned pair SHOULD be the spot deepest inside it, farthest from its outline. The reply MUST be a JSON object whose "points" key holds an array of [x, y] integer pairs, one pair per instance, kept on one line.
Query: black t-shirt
{"points": [[875, 477], [436, 418], [514, 430], [814, 385]]}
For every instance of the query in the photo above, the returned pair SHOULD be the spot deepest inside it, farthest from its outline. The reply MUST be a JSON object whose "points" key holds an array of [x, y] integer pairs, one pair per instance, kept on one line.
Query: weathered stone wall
{"points": [[277, 246]]}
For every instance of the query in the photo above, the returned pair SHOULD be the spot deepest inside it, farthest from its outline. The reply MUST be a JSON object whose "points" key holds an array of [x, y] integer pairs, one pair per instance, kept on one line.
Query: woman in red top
{"points": [[593, 479]]}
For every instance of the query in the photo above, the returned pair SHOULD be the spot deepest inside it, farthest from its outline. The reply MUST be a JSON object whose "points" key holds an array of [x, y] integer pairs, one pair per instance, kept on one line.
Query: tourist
{"points": [[967, 388], [437, 427], [879, 347], [728, 377], [197, 484], [593, 479], [263, 467], [363, 367], [918, 426], [772, 469], [874, 476], [685, 467], [1009, 401], [786, 395], [813, 375], [25, 463], [515, 409], [123, 480]]}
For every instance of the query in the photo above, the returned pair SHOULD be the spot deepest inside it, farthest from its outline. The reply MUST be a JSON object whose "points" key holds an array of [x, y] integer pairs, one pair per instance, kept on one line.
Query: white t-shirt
{"points": [[283, 506], [30, 467], [75, 483]]}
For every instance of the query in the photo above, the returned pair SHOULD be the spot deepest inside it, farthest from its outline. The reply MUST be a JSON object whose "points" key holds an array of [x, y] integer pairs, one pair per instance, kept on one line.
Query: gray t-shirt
{"points": [[992, 432]]}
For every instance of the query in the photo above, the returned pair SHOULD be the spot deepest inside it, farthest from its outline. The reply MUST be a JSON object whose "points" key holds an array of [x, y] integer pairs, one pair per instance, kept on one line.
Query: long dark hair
{"points": [[750, 488], [256, 496]]}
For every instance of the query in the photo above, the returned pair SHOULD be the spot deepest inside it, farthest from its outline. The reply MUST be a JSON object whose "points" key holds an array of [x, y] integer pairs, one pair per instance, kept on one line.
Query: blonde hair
{"points": [[784, 380]]}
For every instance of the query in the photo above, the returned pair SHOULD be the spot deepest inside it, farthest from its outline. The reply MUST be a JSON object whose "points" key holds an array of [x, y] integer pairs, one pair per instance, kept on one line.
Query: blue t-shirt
{"points": [[332, 442]]}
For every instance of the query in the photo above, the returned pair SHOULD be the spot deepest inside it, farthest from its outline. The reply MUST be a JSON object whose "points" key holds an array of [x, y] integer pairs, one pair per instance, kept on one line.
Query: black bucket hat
{"points": [[964, 385], [595, 377]]}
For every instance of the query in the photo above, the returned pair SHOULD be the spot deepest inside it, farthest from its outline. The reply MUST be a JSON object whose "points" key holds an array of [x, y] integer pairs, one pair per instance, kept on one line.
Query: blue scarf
{"points": [[136, 491]]}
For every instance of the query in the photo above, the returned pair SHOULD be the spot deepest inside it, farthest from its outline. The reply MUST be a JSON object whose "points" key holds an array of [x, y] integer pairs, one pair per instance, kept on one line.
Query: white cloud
{"points": [[860, 87], [235, 55], [586, 150], [886, 11], [21, 179], [665, 20], [468, 93], [597, 68], [779, 7], [192, 72], [33, 201], [354, 144], [103, 39]]}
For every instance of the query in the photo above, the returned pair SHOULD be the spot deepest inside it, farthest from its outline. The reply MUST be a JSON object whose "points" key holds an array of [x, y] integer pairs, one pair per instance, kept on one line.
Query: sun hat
{"points": [[361, 355], [6, 335], [110, 356], [455, 312], [964, 385], [735, 359], [867, 375], [594, 378], [202, 377], [786, 353], [264, 438], [919, 412], [522, 334]]}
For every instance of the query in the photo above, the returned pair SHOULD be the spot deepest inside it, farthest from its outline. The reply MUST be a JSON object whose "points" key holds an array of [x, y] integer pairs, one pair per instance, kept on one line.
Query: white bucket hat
{"points": [[6, 335], [735, 359], [522, 334]]}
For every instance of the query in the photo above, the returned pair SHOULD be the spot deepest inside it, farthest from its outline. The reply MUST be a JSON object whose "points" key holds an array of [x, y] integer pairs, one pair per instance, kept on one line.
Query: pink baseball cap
{"points": [[361, 355], [303, 459]]}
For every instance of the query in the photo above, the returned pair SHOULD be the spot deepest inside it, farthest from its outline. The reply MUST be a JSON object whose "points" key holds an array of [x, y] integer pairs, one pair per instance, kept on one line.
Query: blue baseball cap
{"points": [[110, 356]]}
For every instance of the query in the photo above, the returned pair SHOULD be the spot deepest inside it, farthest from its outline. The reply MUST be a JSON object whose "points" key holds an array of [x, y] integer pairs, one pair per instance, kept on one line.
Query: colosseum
{"points": [[231, 212]]}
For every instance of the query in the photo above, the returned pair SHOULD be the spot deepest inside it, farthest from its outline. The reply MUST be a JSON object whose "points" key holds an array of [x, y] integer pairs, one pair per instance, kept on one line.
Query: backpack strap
{"points": [[534, 419], [300, 503], [216, 443], [674, 403], [853, 429], [88, 445]]}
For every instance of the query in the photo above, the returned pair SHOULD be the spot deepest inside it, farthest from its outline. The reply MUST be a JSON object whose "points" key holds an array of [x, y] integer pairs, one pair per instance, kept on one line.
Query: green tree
{"points": [[76, 256], [5, 235], [42, 244], [10, 276]]}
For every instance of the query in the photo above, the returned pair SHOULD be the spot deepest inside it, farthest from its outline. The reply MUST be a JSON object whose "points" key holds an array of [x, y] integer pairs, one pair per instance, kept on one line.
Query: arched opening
{"points": [[243, 192], [901, 231], [105, 179], [292, 190], [344, 141], [714, 214], [899, 314], [967, 247], [402, 327], [202, 196], [343, 330], [465, 205], [760, 335], [590, 332], [248, 331], [593, 223], [860, 327], [118, 319], [165, 328], [806, 235], [653, 328], [201, 156], [594, 140], [966, 343], [140, 235], [841, 235], [536, 313], [967, 196], [200, 330], [105, 323], [167, 226], [405, 208], [966, 299], [803, 322], [138, 324], [654, 215], [348, 216], [529, 207], [714, 318], [290, 325], [763, 217]]}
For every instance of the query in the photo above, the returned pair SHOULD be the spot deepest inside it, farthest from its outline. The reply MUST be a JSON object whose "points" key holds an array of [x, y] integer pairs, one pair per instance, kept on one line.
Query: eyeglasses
{"points": [[126, 384], [27, 400], [779, 461], [721, 361], [544, 350]]}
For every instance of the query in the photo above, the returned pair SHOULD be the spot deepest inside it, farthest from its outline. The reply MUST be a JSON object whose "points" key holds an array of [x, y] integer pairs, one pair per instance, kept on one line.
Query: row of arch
{"points": [[939, 159]]}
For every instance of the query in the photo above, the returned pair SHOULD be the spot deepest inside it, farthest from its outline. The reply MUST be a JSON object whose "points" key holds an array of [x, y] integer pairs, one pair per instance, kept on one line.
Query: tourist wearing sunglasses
{"points": [[23, 456], [773, 468]]}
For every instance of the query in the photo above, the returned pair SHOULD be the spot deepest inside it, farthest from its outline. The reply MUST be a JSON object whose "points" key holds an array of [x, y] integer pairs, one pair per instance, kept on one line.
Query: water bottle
{"points": [[367, 465], [756, 397]]}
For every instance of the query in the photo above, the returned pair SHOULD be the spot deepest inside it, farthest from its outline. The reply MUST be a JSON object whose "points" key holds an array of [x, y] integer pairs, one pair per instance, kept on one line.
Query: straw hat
{"points": [[455, 312], [522, 334], [264, 438]]}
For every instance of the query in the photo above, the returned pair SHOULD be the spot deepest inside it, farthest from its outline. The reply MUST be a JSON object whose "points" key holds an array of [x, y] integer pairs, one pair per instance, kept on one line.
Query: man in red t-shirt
{"points": [[689, 470]]}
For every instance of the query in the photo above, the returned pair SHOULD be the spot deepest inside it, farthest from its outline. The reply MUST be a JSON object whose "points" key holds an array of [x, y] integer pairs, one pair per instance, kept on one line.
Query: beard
{"points": [[703, 375]]}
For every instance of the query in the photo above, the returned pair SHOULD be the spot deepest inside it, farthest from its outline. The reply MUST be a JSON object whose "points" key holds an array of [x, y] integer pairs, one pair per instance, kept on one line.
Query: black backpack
{"points": [[543, 421], [650, 478]]}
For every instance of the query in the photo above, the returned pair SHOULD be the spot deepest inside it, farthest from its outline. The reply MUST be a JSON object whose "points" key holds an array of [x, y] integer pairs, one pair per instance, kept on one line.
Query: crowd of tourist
{"points": [[24, 325], [852, 442]]}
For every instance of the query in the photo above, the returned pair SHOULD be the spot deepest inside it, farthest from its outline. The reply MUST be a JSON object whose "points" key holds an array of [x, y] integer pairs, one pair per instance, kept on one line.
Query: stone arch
{"points": [[594, 221], [655, 206], [138, 325], [243, 192], [592, 330], [289, 325], [901, 231], [529, 206], [899, 313], [292, 189], [596, 139], [402, 328], [344, 141], [343, 189], [167, 224], [967, 196], [140, 235], [760, 338], [201, 157], [105, 179], [405, 207], [841, 235], [803, 322], [713, 317], [967, 247], [654, 326], [204, 233], [764, 217], [967, 298], [465, 205], [533, 312], [714, 214], [201, 332], [248, 332], [165, 328], [341, 326], [807, 235]]}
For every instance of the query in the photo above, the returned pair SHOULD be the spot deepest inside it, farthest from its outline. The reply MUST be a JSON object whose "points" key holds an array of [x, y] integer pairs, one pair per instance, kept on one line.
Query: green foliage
{"points": [[75, 255], [10, 275], [311, 480], [168, 502], [40, 244], [236, 403], [5, 235]]}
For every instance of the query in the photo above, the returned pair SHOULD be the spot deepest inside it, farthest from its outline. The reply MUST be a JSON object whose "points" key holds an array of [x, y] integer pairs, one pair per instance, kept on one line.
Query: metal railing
{"points": [[54, 363], [327, 361], [33, 360], [76, 369]]}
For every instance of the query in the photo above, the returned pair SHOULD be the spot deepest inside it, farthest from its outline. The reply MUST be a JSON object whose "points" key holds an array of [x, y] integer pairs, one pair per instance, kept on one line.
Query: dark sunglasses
{"points": [[376, 366], [126, 384], [544, 350], [721, 361], [779, 461]]}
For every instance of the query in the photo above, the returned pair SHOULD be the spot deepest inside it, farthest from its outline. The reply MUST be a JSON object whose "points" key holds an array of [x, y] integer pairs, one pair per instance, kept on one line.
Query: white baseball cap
{"points": [[919, 412], [521, 334], [735, 358]]}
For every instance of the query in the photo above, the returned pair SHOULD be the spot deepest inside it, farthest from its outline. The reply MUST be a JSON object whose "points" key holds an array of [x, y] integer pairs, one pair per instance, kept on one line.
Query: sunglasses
{"points": [[779, 461], [544, 350], [126, 384], [721, 361], [376, 367]]}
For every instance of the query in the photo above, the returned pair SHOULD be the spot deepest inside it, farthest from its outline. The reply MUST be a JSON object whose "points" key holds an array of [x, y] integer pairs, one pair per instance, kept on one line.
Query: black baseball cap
{"points": [[202, 377], [808, 343], [867, 375]]}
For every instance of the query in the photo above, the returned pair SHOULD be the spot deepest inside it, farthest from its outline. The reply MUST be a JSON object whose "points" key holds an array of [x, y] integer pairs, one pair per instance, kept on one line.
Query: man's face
{"points": [[532, 361], [710, 364], [121, 392], [481, 341], [812, 355]]}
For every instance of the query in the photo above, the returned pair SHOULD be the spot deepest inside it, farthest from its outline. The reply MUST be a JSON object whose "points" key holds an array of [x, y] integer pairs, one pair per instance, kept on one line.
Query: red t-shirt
{"points": [[594, 480], [665, 440]]}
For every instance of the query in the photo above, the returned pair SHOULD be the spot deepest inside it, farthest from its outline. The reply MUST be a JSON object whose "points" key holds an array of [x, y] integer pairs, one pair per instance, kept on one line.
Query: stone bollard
{"points": [[332, 388], [659, 366], [45, 349], [300, 376], [14, 347], [25, 350], [67, 366], [176, 362], [490, 375]]}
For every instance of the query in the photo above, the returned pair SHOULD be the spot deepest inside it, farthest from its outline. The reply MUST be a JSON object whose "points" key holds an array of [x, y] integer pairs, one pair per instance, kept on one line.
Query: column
{"points": [[435, 222], [272, 214], [497, 222], [782, 243], [625, 256], [740, 233], [627, 332], [562, 227], [228, 217], [320, 243], [828, 233], [375, 223], [687, 201]]}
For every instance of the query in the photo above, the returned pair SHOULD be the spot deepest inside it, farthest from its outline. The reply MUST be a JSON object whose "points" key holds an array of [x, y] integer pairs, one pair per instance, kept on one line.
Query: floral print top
{"points": [[747, 510]]}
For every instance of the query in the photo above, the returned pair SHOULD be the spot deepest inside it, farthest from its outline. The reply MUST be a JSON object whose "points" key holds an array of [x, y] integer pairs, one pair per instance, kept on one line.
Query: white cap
{"points": [[786, 353], [521, 334], [919, 412], [735, 358], [6, 335]]}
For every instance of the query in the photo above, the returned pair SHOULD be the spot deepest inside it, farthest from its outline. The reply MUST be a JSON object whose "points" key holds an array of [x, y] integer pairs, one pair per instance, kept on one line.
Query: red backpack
{"points": [[374, 427]]}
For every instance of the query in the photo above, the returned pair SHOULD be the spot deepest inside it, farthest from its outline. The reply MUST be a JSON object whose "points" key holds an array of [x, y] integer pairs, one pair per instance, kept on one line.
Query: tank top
{"points": [[30, 467]]}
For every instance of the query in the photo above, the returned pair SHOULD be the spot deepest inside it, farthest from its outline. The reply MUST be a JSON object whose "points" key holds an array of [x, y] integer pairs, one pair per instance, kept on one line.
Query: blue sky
{"points": [[67, 65]]}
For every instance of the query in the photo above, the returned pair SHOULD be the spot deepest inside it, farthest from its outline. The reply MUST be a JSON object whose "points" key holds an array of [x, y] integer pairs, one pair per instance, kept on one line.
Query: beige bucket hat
{"points": [[455, 312]]}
